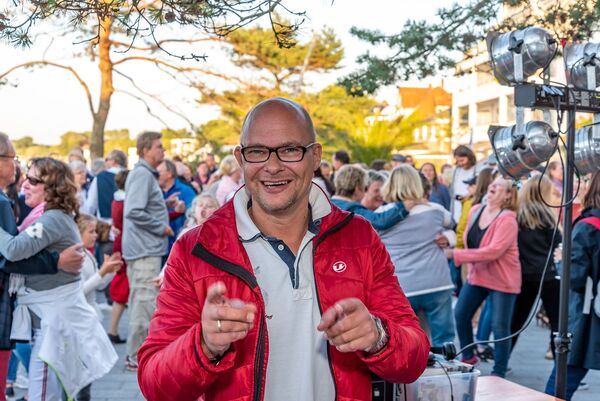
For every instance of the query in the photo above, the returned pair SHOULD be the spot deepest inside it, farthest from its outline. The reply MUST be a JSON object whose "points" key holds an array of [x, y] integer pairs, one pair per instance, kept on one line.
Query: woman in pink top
{"points": [[492, 256]]}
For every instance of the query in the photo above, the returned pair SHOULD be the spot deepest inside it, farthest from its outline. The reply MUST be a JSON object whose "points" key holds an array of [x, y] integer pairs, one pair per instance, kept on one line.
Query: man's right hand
{"points": [[71, 259], [224, 321]]}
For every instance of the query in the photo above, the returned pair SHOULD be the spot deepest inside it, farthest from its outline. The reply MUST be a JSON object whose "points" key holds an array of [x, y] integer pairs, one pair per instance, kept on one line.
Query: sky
{"points": [[46, 102]]}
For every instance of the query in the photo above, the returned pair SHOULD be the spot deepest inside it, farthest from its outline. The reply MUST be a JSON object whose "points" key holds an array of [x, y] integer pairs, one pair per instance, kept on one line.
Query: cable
{"points": [[449, 379], [533, 311]]}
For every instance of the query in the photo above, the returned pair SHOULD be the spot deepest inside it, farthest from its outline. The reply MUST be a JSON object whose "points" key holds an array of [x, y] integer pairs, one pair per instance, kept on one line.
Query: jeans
{"points": [[438, 311], [455, 276], [471, 297], [484, 326], [575, 375], [21, 354]]}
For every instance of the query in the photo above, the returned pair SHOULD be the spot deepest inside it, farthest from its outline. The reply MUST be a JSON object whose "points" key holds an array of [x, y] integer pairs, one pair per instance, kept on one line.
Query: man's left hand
{"points": [[348, 326]]}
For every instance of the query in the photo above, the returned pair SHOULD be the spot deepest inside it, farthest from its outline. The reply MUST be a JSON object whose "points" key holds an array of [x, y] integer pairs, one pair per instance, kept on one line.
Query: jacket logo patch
{"points": [[35, 230], [339, 267]]}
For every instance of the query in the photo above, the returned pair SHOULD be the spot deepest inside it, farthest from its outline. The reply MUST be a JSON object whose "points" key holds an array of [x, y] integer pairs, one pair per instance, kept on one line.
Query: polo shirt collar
{"points": [[319, 207]]}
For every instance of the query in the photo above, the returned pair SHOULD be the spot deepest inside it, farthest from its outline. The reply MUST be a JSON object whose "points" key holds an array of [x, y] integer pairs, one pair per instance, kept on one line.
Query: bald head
{"points": [[278, 105]]}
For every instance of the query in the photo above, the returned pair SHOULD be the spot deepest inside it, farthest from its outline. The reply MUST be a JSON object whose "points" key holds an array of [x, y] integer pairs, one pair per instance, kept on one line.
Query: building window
{"points": [[487, 112], [463, 116]]}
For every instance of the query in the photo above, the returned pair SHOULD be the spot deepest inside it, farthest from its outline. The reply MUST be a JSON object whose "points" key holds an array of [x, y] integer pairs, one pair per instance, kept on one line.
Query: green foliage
{"points": [[117, 139], [339, 118], [144, 20], [424, 48], [257, 50], [114, 139]]}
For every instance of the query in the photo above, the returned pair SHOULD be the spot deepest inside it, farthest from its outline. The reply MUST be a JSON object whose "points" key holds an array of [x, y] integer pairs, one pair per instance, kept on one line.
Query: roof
{"points": [[411, 98]]}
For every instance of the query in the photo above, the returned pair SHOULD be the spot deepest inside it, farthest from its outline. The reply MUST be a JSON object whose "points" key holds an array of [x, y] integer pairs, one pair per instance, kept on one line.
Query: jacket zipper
{"points": [[329, 232], [201, 252], [238, 271]]}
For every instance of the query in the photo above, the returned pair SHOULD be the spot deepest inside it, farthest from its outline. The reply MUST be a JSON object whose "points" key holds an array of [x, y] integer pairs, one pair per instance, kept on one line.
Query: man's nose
{"points": [[273, 162]]}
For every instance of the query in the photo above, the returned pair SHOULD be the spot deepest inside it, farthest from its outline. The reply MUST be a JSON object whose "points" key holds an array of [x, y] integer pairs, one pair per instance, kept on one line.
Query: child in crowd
{"points": [[94, 278], [119, 286]]}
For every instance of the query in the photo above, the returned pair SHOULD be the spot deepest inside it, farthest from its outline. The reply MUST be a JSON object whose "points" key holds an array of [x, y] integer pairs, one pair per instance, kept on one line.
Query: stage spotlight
{"points": [[518, 54], [587, 149], [518, 154], [581, 65]]}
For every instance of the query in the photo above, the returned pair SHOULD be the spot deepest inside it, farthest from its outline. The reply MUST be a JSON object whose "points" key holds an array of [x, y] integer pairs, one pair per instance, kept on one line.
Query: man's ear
{"points": [[317, 154], [237, 153]]}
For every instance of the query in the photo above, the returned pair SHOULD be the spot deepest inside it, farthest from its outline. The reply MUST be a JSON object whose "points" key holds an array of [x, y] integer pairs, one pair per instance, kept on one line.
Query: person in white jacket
{"points": [[94, 278]]}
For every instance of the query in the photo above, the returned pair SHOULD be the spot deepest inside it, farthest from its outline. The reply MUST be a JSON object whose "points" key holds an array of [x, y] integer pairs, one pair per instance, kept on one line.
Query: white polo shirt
{"points": [[298, 365]]}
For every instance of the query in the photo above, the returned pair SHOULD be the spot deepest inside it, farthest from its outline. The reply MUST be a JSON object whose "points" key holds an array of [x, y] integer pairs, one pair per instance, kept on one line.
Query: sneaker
{"points": [[485, 353], [509, 372], [131, 364], [115, 339], [470, 361], [583, 386], [10, 391], [22, 381]]}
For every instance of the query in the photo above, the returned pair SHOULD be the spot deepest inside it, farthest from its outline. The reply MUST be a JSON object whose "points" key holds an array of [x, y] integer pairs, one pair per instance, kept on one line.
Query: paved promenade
{"points": [[529, 368]]}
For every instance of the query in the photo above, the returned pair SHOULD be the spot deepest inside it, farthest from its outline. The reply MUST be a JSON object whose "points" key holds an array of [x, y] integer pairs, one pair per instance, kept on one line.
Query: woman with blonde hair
{"points": [[53, 307], [537, 240], [203, 206], [419, 263], [492, 259], [350, 188], [230, 182]]}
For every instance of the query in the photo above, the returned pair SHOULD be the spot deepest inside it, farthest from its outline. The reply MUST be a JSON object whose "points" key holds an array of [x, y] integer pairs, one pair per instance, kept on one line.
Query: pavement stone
{"points": [[529, 368]]}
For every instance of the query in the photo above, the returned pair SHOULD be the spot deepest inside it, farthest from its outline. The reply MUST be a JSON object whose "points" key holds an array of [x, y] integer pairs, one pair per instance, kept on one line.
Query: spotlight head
{"points": [[578, 57], [536, 46], [519, 153], [587, 149]]}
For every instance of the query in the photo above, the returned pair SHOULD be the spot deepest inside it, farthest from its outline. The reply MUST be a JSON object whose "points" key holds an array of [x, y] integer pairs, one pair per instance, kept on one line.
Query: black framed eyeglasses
{"points": [[34, 181], [15, 158], [286, 153]]}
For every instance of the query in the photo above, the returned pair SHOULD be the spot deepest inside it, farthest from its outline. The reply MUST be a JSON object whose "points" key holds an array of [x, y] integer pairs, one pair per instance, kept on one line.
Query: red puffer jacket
{"points": [[172, 365]]}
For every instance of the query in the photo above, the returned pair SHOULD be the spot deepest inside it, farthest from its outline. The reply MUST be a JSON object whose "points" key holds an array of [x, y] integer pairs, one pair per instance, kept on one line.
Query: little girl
{"points": [[92, 277]]}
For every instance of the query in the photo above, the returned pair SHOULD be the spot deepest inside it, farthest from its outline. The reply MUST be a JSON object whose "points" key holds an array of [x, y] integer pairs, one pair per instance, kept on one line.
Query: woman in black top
{"points": [[536, 227]]}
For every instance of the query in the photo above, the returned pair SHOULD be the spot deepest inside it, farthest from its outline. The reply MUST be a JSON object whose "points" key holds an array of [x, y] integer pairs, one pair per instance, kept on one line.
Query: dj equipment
{"points": [[440, 379]]}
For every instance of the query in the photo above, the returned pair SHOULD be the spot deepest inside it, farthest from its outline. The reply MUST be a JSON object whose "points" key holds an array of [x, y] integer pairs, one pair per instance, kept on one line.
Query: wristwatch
{"points": [[383, 336]]}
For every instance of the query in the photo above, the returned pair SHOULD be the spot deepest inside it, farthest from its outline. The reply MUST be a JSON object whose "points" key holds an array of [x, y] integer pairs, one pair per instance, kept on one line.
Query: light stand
{"points": [[571, 101], [514, 56]]}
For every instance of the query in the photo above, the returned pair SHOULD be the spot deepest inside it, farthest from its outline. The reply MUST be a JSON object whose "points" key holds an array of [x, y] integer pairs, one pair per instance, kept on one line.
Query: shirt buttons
{"points": [[280, 247]]}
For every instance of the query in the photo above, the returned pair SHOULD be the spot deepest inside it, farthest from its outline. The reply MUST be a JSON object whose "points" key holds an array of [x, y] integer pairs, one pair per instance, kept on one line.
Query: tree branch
{"points": [[156, 98], [61, 66], [177, 68], [148, 109], [159, 43]]}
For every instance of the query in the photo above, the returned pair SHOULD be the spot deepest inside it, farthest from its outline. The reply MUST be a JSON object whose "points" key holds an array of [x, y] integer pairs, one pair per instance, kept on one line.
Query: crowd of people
{"points": [[461, 232]]}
